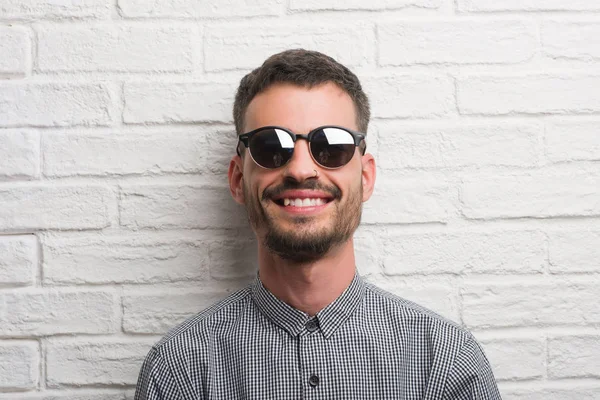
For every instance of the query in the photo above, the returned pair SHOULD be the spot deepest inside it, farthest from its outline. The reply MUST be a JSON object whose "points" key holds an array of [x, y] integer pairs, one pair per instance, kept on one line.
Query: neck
{"points": [[312, 286]]}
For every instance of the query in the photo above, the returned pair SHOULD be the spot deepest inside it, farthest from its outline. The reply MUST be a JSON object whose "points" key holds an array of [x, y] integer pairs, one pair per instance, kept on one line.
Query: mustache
{"points": [[269, 193]]}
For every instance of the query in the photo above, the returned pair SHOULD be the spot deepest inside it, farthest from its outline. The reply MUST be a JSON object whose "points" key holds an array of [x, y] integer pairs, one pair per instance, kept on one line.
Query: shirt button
{"points": [[312, 325], [314, 380]]}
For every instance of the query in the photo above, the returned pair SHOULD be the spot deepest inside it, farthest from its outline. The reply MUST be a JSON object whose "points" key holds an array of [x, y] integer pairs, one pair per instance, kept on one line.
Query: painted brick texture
{"points": [[18, 259], [15, 50], [177, 103], [18, 365], [200, 8], [53, 10], [468, 42], [116, 132], [54, 104], [99, 362], [526, 5], [20, 153], [123, 48]]}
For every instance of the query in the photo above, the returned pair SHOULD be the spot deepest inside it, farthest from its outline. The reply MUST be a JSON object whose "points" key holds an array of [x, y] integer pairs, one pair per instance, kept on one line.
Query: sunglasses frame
{"points": [[245, 138]]}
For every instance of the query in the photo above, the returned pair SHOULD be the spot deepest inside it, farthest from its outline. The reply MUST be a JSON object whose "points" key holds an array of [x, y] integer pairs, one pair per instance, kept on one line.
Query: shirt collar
{"points": [[293, 320]]}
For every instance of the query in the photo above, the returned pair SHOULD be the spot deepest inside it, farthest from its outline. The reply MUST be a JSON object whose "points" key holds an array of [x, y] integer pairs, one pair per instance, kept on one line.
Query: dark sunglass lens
{"points": [[271, 148], [332, 147]]}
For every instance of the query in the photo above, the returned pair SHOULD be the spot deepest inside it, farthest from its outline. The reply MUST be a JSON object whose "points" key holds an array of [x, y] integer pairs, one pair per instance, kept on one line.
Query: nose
{"points": [[301, 166]]}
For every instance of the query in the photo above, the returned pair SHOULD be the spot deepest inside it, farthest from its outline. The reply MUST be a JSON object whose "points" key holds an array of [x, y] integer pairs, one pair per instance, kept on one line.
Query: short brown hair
{"points": [[303, 68]]}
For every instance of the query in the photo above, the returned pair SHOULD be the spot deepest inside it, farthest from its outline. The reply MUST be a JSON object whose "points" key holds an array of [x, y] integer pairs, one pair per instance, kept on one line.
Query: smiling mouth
{"points": [[302, 202]]}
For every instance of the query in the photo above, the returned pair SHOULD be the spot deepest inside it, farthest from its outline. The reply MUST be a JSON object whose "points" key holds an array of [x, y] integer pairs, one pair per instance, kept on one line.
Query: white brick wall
{"points": [[95, 362], [454, 41], [53, 104], [116, 132], [164, 103], [103, 47], [20, 153], [15, 49]]}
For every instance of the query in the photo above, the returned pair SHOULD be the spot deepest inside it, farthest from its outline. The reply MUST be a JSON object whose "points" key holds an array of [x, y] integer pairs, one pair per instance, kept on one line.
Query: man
{"points": [[309, 327]]}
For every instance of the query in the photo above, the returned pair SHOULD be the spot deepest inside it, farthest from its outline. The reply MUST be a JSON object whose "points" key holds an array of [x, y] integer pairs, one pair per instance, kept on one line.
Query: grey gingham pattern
{"points": [[368, 344]]}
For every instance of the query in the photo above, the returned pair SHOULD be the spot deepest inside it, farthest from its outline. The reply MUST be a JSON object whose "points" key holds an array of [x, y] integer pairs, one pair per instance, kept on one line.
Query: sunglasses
{"points": [[330, 146]]}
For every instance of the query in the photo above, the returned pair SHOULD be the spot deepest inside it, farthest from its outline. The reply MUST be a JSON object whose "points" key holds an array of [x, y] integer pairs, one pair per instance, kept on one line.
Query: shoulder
{"points": [[165, 368], [197, 327], [456, 357], [414, 319]]}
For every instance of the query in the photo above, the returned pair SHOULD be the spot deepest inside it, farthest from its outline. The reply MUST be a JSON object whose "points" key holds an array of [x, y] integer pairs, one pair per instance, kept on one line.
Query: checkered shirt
{"points": [[368, 344]]}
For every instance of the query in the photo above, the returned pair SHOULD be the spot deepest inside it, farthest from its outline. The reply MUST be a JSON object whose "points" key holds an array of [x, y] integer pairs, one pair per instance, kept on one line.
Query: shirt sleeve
{"points": [[471, 376], [156, 381]]}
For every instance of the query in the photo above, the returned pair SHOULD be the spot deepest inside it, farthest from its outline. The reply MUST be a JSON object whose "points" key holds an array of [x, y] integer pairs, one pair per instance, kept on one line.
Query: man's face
{"points": [[302, 234]]}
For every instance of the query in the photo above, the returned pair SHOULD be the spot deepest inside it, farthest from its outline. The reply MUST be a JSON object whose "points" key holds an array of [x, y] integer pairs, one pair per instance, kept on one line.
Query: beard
{"points": [[303, 242]]}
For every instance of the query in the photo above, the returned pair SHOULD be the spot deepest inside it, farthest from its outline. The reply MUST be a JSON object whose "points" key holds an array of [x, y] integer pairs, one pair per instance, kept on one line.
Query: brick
{"points": [[73, 154], [219, 148], [502, 353], [15, 51], [19, 365], [242, 46], [18, 260], [115, 48], [19, 154], [108, 260], [416, 96], [200, 8], [449, 145], [518, 305], [408, 201], [157, 313], [373, 137], [312, 5], [177, 102], [526, 5], [465, 253], [440, 298], [39, 312], [538, 195], [555, 393], [576, 40], [15, 9], [54, 104], [101, 362], [533, 94], [43, 206], [78, 394], [583, 141], [456, 42], [574, 251], [234, 258], [179, 207], [574, 357]]}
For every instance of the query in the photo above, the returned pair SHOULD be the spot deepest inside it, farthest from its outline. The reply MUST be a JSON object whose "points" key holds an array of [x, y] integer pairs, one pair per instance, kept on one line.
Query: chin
{"points": [[303, 228]]}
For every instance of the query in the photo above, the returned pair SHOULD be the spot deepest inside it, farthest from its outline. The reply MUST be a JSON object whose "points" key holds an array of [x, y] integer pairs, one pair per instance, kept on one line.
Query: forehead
{"points": [[300, 108]]}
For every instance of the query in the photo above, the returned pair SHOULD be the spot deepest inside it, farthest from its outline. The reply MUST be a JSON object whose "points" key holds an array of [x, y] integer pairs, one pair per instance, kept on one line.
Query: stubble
{"points": [[304, 242]]}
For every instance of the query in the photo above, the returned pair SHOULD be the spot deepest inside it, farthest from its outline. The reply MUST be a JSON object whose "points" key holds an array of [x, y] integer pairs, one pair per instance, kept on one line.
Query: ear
{"points": [[368, 176], [236, 179]]}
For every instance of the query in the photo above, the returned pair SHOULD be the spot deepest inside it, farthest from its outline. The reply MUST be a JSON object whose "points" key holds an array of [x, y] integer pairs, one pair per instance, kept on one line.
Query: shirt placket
{"points": [[310, 356]]}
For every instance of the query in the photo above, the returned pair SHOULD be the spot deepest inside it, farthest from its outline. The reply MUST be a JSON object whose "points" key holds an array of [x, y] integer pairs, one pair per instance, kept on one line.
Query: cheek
{"points": [[253, 191], [257, 182], [348, 182]]}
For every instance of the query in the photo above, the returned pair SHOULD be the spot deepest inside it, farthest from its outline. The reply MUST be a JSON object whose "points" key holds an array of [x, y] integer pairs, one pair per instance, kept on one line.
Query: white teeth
{"points": [[312, 202]]}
